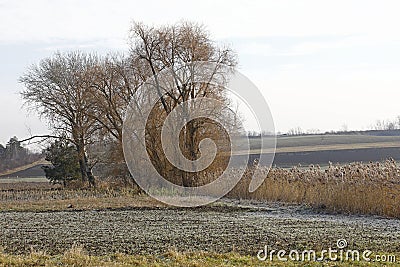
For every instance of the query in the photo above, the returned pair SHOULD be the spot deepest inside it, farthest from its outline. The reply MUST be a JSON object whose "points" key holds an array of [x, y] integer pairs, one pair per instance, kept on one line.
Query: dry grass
{"points": [[76, 256], [39, 197], [17, 184], [372, 188]]}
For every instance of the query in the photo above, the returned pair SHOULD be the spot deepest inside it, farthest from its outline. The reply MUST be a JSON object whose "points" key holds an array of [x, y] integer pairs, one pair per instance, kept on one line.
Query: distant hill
{"points": [[338, 148], [30, 170], [395, 132]]}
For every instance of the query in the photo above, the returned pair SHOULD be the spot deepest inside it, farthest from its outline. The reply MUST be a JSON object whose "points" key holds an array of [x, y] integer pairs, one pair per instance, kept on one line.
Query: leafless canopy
{"points": [[173, 47], [84, 96], [57, 89]]}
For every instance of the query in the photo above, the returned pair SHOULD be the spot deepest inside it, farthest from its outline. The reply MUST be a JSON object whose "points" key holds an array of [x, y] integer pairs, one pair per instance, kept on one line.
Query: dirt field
{"points": [[243, 227], [320, 149]]}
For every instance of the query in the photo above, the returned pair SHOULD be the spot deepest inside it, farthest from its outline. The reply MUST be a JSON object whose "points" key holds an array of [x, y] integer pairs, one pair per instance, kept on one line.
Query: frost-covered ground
{"points": [[228, 225]]}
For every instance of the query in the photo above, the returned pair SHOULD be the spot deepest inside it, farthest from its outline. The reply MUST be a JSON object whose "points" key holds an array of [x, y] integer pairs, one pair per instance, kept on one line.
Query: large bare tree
{"points": [[173, 47], [57, 88]]}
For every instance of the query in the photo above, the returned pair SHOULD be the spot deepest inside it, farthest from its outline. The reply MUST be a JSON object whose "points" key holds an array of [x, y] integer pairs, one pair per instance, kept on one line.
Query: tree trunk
{"points": [[86, 172], [83, 169], [89, 173], [190, 178]]}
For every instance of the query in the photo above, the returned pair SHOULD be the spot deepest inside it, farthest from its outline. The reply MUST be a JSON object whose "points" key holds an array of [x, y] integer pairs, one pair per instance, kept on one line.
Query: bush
{"points": [[65, 164]]}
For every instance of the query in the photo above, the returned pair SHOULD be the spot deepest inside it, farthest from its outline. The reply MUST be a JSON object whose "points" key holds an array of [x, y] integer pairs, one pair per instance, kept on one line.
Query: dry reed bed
{"points": [[372, 188]]}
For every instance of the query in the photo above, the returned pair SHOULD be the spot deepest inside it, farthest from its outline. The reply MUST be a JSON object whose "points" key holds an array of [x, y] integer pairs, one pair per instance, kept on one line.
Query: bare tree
{"points": [[57, 88], [112, 82], [295, 131], [397, 122], [173, 47]]}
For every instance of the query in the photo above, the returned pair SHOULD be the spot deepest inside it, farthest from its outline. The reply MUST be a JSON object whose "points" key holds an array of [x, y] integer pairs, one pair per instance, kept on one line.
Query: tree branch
{"points": [[42, 136]]}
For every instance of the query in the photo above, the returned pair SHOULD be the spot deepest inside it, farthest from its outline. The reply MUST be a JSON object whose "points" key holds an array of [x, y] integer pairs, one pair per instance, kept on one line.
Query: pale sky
{"points": [[320, 64]]}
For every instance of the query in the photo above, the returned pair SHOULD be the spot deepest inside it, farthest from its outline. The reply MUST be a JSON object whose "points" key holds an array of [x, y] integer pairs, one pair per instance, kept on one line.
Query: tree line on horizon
{"points": [[13, 155]]}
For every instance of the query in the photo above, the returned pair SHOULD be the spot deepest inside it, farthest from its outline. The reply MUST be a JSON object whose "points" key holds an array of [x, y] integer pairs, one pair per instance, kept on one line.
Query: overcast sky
{"points": [[319, 64]]}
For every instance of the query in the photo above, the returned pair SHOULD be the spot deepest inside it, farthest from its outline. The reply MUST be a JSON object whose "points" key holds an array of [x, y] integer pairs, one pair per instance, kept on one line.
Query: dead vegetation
{"points": [[47, 197], [372, 188], [77, 256]]}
